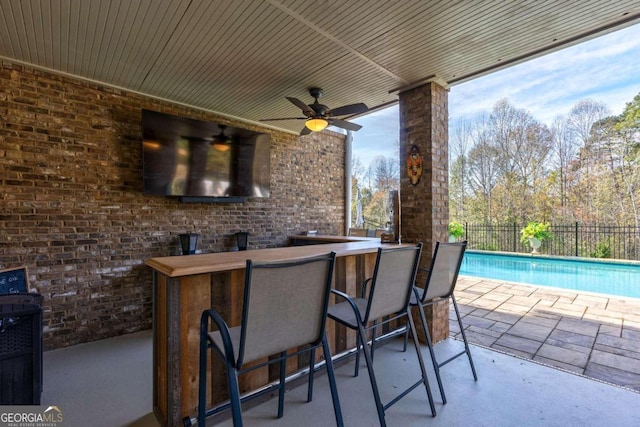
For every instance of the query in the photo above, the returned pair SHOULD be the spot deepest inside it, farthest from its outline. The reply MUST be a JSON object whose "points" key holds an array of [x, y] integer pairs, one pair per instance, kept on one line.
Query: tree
{"points": [[460, 142], [508, 166], [583, 116], [376, 213], [371, 187], [358, 170], [580, 121], [628, 128], [483, 173], [523, 144], [385, 173], [622, 136], [564, 148]]}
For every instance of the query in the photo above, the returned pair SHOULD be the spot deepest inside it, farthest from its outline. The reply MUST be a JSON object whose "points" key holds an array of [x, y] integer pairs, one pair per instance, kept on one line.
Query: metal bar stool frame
{"points": [[440, 286], [230, 345], [360, 313]]}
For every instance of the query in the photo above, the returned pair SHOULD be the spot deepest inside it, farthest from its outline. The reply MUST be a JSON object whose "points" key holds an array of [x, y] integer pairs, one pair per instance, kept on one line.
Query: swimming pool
{"points": [[611, 278]]}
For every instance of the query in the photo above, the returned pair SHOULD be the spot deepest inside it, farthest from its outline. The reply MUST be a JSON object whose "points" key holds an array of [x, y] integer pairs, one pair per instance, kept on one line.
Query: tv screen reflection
{"points": [[187, 157]]}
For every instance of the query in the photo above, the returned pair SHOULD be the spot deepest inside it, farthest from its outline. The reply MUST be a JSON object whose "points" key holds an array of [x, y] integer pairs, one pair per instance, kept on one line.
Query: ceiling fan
{"points": [[221, 141], [319, 116]]}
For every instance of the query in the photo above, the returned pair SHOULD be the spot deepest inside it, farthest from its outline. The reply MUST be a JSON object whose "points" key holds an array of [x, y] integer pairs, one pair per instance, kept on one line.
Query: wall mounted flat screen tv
{"points": [[190, 158]]}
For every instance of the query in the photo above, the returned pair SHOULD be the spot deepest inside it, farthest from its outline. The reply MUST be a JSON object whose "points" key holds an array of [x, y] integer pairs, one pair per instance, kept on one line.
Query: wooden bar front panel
{"points": [[179, 302], [195, 292]]}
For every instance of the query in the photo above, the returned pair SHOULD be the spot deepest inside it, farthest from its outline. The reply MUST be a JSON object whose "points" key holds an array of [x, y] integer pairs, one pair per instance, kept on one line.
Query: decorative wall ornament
{"points": [[414, 165]]}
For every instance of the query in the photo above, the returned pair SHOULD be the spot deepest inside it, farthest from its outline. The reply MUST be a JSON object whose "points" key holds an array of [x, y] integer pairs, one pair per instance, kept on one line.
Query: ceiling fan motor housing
{"points": [[315, 92], [320, 110]]}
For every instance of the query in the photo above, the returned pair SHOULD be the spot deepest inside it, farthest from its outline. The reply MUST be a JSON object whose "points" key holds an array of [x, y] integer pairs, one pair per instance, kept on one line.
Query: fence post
{"points": [[515, 237], [576, 238], [466, 231]]}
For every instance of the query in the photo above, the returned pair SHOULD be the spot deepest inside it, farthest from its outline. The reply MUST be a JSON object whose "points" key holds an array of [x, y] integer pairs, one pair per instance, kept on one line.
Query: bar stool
{"points": [[285, 307], [440, 284], [389, 293]]}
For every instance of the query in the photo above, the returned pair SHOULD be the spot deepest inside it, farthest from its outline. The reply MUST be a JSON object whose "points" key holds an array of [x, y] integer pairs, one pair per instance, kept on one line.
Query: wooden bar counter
{"points": [[185, 286]]}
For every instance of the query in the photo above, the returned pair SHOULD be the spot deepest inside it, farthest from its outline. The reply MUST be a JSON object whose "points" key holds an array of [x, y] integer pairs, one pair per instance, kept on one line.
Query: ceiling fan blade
{"points": [[344, 124], [284, 118], [349, 109], [301, 105], [305, 131]]}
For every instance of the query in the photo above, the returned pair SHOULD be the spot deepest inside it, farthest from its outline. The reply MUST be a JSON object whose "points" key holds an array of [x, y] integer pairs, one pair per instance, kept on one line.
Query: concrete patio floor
{"points": [[577, 364], [108, 383], [594, 335]]}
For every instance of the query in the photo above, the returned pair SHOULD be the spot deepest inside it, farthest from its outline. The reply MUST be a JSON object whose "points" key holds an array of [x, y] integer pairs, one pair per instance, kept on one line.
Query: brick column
{"points": [[424, 206]]}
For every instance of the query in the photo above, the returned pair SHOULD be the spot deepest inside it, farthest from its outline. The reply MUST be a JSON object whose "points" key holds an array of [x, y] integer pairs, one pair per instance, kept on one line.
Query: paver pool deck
{"points": [[590, 334]]}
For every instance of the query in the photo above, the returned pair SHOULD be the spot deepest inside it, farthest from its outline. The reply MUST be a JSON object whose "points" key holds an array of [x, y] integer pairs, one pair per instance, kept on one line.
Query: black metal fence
{"points": [[583, 240]]}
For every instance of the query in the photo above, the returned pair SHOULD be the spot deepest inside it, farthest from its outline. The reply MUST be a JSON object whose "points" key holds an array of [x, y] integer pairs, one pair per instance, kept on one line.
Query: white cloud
{"points": [[606, 69]]}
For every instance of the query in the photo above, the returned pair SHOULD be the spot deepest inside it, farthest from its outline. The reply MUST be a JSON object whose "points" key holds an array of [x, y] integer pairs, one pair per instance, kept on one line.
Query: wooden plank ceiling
{"points": [[242, 57]]}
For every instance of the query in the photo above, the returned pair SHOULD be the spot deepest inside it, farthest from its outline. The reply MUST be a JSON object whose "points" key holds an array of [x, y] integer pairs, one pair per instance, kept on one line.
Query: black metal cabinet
{"points": [[20, 349]]}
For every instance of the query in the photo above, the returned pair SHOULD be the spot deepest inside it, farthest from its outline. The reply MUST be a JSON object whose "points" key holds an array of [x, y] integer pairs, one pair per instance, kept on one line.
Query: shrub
{"points": [[602, 250], [456, 229], [539, 230]]}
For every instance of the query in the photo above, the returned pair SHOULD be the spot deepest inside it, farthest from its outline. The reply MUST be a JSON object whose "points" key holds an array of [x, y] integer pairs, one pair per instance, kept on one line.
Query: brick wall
{"points": [[425, 206], [72, 208]]}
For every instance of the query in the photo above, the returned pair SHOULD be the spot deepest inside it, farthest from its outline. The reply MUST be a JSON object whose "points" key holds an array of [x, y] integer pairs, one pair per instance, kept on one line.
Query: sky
{"points": [[605, 69]]}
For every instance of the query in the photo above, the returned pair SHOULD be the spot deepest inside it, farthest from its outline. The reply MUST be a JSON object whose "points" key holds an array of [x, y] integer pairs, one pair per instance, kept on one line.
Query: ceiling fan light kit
{"points": [[316, 125], [319, 116], [221, 141], [220, 146]]}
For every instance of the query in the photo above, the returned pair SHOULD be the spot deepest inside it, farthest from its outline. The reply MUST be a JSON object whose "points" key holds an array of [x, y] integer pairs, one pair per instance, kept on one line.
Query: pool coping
{"points": [[559, 257], [553, 288]]}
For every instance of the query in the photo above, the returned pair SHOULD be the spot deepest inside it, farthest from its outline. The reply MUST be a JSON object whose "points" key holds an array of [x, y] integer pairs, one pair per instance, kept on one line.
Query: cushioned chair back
{"points": [[285, 305], [445, 266], [393, 278]]}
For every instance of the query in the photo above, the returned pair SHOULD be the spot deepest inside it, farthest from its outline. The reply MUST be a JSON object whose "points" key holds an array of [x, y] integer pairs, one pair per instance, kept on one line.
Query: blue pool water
{"points": [[593, 276]]}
